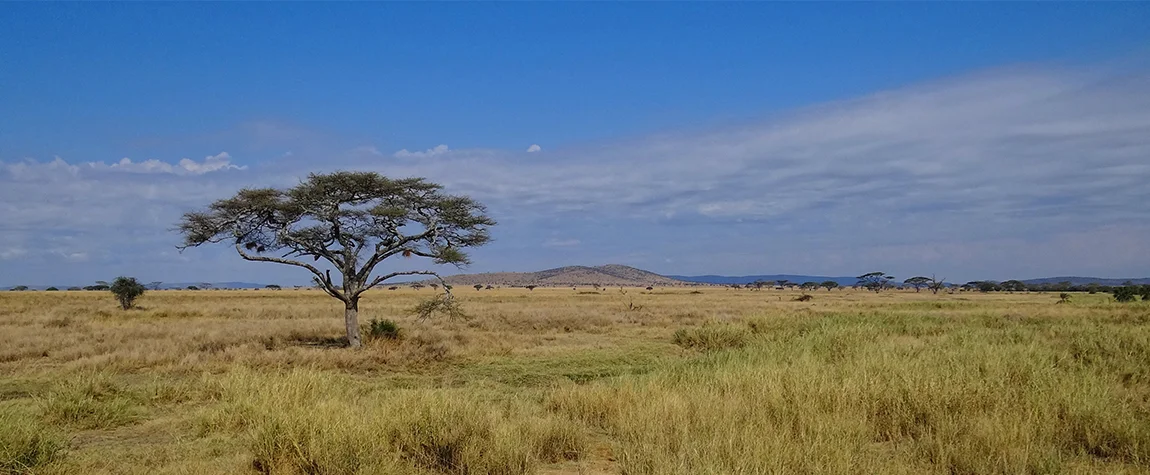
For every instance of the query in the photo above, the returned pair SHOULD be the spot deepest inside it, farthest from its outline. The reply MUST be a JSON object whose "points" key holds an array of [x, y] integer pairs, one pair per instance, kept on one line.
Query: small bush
{"points": [[711, 337], [1125, 293], [51, 289], [382, 330], [26, 444], [127, 290]]}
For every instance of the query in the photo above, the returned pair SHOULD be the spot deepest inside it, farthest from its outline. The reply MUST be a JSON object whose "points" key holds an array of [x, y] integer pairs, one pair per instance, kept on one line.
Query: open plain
{"points": [[565, 381]]}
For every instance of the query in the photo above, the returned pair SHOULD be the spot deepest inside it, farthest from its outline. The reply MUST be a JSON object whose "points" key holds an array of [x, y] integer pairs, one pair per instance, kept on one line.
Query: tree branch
{"points": [[382, 278], [323, 279]]}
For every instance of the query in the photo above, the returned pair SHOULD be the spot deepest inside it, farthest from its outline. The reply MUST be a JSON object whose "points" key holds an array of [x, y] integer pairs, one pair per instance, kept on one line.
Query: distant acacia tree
{"points": [[19, 288], [51, 289], [127, 290], [829, 285], [1013, 286], [155, 285], [936, 284], [784, 283], [917, 282], [987, 286], [352, 221], [272, 287], [875, 281], [809, 285], [192, 287]]}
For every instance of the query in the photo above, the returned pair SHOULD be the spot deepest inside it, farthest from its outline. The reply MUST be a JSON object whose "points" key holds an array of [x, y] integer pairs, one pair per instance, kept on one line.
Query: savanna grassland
{"points": [[562, 381]]}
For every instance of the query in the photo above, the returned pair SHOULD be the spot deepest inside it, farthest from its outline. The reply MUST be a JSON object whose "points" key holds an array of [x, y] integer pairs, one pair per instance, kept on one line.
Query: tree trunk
{"points": [[351, 321]]}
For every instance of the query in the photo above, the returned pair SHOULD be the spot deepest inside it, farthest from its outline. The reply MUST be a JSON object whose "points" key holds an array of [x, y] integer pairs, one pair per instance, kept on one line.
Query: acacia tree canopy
{"points": [[353, 221], [875, 281]]}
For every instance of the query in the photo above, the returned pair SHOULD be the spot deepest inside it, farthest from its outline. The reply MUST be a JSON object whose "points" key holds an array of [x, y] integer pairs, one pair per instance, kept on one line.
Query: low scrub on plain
{"points": [[555, 382], [310, 422], [712, 337]]}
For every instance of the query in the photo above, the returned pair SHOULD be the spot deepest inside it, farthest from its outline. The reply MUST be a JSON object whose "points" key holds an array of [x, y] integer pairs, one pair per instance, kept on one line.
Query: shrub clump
{"points": [[127, 290], [712, 337], [382, 330], [1125, 293]]}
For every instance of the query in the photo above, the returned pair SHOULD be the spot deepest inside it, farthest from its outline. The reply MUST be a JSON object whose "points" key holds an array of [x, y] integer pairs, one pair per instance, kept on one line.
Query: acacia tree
{"points": [[829, 285], [917, 282], [1014, 286], [936, 285], [876, 281], [353, 221]]}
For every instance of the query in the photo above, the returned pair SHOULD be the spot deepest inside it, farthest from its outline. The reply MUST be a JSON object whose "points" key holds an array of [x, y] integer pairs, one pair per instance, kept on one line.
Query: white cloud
{"points": [[12, 253], [561, 243], [431, 152], [186, 166], [534, 148], [367, 150], [967, 170]]}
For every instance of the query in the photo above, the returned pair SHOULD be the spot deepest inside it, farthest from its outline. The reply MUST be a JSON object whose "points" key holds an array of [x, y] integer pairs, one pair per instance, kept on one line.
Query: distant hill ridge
{"points": [[746, 279], [606, 275], [1086, 280]]}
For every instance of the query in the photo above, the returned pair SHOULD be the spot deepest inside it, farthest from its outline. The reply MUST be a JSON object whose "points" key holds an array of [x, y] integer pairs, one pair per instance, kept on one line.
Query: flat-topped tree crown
{"points": [[352, 221]]}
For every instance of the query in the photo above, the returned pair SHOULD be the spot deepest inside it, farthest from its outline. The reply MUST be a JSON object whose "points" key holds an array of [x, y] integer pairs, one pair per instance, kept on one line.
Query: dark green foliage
{"points": [[127, 290], [273, 287], [1126, 293], [809, 285], [382, 330], [1013, 286], [192, 287], [829, 285], [51, 289], [917, 282], [987, 286], [19, 288], [875, 281], [74, 288], [1145, 292]]}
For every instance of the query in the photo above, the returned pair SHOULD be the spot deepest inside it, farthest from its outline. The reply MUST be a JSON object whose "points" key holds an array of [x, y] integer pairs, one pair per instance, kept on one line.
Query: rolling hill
{"points": [[611, 275]]}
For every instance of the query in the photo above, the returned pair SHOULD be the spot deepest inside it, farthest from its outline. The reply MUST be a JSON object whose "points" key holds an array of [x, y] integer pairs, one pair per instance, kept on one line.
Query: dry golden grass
{"points": [[561, 381]]}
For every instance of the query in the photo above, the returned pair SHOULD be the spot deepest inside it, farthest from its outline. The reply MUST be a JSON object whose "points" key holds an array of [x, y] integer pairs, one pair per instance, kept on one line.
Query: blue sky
{"points": [[968, 140]]}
